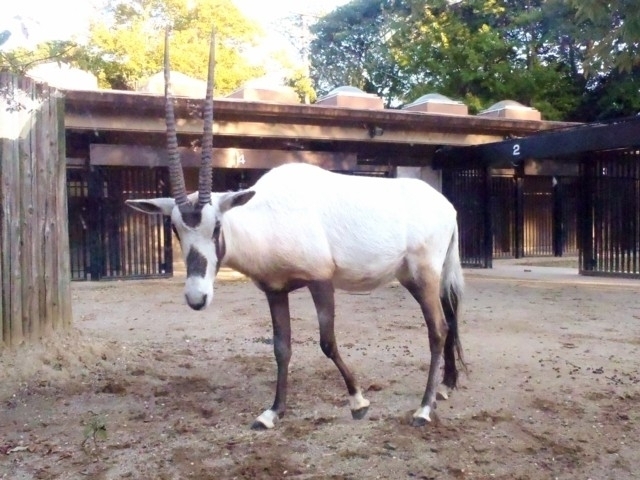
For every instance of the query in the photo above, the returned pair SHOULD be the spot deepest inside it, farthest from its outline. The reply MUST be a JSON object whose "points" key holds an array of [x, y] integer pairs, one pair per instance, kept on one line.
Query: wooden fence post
{"points": [[34, 263]]}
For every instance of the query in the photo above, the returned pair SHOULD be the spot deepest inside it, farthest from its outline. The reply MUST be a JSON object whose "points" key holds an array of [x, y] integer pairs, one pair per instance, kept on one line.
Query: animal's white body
{"points": [[301, 226], [305, 223]]}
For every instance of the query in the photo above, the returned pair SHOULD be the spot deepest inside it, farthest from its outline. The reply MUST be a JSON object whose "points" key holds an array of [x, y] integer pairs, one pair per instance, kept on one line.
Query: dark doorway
{"points": [[109, 240]]}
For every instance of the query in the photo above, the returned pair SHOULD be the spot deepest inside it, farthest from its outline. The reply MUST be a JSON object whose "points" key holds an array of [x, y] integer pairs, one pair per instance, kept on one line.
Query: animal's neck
{"points": [[227, 249], [220, 245]]}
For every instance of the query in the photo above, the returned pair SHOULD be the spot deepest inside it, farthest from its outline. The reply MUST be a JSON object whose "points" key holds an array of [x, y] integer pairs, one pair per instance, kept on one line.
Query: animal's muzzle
{"points": [[197, 305]]}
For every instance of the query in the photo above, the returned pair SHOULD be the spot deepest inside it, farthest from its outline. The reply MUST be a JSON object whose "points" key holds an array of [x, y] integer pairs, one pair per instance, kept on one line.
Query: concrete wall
{"points": [[429, 175]]}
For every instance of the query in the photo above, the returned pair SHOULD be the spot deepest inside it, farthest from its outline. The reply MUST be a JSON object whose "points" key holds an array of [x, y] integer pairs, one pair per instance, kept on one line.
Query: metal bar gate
{"points": [[512, 216], [108, 240], [610, 214], [468, 191]]}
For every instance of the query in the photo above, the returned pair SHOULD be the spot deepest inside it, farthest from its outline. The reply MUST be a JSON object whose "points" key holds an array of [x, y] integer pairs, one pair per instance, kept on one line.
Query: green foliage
{"points": [[303, 85], [571, 59], [126, 46], [614, 30], [612, 96], [476, 51], [454, 52], [351, 48], [482, 52], [20, 60]]}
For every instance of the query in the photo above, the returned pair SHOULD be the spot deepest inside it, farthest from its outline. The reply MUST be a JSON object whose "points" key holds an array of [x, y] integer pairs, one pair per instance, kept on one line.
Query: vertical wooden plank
{"points": [[34, 263], [30, 233], [5, 307], [5, 229], [64, 290], [38, 194], [26, 161], [16, 228], [54, 225], [2, 229], [28, 277], [47, 182]]}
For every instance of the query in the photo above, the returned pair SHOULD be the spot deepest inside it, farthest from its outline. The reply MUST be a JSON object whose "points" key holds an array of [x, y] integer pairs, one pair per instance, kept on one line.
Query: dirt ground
{"points": [[145, 388]]}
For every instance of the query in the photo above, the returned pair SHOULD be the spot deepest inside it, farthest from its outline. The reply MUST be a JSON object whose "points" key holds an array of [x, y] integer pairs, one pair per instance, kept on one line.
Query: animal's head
{"points": [[195, 218], [198, 230]]}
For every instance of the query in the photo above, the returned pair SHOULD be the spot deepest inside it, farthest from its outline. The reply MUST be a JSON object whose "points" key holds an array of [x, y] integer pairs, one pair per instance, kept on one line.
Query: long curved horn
{"points": [[176, 175], [205, 180]]}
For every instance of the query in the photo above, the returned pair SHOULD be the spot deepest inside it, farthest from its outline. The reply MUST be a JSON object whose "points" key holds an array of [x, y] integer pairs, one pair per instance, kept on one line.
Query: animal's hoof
{"points": [[420, 421], [265, 421], [258, 425], [360, 413], [422, 416]]}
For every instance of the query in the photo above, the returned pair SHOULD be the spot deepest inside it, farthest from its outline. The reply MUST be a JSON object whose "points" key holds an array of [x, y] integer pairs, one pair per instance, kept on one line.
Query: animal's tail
{"points": [[451, 288]]}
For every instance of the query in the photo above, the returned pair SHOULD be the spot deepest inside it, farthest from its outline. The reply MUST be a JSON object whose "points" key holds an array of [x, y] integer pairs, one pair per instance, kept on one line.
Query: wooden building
{"points": [[115, 148], [605, 194]]}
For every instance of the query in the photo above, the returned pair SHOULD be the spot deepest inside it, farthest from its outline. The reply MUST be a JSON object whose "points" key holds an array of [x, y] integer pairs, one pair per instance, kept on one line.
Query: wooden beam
{"points": [[252, 130], [118, 109], [563, 145], [147, 156]]}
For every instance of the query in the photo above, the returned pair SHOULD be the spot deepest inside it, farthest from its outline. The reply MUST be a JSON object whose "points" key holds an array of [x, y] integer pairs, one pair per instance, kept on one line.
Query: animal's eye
{"points": [[175, 230]]}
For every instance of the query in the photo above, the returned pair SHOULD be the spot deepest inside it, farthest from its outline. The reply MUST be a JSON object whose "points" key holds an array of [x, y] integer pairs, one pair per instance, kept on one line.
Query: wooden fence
{"points": [[34, 266]]}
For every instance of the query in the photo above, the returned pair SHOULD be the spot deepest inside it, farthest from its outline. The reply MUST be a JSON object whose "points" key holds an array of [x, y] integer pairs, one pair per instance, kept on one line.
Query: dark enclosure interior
{"points": [[610, 220], [109, 240], [512, 216]]}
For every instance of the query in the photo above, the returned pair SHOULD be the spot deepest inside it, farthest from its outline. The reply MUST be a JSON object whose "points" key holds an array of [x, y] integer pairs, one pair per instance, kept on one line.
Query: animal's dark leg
{"points": [[323, 298], [280, 317], [427, 295], [452, 344]]}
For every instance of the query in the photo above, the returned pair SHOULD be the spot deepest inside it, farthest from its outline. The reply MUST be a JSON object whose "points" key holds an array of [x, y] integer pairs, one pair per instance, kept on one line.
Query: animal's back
{"points": [[310, 222]]}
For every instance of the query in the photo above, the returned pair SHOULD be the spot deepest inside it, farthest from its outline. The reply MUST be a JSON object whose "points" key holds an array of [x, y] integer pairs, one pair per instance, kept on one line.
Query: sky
{"points": [[44, 20], [267, 11], [63, 19]]}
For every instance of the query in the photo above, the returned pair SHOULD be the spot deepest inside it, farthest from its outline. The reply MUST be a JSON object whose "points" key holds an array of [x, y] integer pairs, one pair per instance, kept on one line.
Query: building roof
{"points": [[138, 118]]}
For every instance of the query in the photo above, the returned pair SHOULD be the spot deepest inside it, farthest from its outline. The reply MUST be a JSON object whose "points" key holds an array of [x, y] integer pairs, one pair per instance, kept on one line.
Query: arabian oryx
{"points": [[302, 226]]}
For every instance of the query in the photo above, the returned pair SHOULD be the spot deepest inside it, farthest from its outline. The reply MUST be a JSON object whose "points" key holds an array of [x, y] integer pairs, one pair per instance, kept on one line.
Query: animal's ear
{"points": [[234, 199], [162, 206]]}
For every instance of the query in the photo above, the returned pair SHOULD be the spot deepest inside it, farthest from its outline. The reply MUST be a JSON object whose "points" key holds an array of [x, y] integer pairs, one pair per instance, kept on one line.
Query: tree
{"points": [[127, 44], [477, 51], [300, 81], [453, 51], [484, 51], [351, 48], [614, 27], [614, 95], [21, 60]]}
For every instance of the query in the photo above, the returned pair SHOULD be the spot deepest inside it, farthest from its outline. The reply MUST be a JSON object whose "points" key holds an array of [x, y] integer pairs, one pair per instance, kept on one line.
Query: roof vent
{"points": [[265, 90], [351, 97], [512, 110], [436, 103], [181, 85]]}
